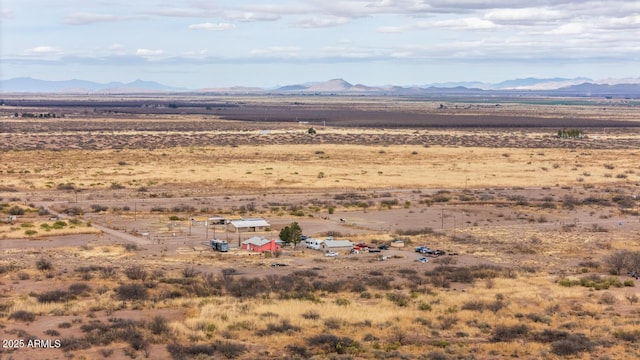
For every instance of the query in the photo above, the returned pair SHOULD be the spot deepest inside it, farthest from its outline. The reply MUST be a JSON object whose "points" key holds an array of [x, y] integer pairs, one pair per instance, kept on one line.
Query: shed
{"points": [[250, 225], [335, 245], [260, 244]]}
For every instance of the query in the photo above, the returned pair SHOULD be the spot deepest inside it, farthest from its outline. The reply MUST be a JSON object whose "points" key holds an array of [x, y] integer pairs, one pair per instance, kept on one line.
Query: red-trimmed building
{"points": [[260, 244]]}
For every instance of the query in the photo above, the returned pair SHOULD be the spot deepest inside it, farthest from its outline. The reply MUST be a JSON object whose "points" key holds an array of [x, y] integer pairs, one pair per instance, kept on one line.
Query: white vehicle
{"points": [[331, 254], [314, 244]]}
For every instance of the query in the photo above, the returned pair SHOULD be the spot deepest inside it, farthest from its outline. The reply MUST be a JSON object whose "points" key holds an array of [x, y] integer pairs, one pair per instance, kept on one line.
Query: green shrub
{"points": [[16, 210], [399, 299], [343, 302], [568, 282]]}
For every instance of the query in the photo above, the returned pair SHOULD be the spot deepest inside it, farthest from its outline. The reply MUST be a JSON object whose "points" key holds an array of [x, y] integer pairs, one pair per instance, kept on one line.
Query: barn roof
{"points": [[247, 223], [338, 243], [257, 241]]}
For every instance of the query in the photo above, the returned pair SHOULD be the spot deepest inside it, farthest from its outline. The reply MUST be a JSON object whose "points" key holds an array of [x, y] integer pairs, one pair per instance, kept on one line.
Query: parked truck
{"points": [[219, 245]]}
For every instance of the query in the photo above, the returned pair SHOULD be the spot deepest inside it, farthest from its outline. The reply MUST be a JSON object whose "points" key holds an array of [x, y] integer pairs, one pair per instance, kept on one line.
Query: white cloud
{"points": [[276, 51], [466, 24], [568, 29], [91, 18], [196, 54], [183, 12], [149, 52], [628, 22], [320, 22], [43, 50], [250, 16], [212, 27], [524, 15], [391, 29]]}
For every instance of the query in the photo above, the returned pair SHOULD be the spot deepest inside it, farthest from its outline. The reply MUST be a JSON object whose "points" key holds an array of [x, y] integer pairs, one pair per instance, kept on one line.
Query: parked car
{"points": [[362, 246], [278, 264], [374, 250], [423, 260], [426, 251], [331, 254], [383, 247]]}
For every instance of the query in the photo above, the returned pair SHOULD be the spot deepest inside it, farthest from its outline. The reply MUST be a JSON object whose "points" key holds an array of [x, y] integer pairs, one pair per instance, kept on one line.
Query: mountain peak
{"points": [[333, 85]]}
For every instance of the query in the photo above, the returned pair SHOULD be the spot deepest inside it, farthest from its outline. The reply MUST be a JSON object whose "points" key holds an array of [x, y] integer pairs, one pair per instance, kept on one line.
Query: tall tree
{"points": [[291, 234]]}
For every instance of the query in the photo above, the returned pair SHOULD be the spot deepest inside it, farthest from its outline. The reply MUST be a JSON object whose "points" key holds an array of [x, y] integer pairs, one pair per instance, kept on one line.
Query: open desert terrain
{"points": [[104, 244]]}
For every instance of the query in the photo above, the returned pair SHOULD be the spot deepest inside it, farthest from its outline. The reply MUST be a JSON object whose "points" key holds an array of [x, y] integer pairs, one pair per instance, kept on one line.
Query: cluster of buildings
{"points": [[262, 244]]}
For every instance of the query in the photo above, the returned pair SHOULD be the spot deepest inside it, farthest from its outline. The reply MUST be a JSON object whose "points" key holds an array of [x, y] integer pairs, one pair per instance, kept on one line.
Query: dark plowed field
{"points": [[110, 122]]}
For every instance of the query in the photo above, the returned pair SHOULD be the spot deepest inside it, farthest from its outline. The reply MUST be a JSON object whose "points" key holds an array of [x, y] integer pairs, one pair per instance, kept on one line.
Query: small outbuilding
{"points": [[260, 244], [337, 245], [249, 225]]}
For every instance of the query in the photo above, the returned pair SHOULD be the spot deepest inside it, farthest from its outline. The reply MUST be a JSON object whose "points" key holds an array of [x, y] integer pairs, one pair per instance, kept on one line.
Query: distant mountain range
{"points": [[26, 84], [582, 87]]}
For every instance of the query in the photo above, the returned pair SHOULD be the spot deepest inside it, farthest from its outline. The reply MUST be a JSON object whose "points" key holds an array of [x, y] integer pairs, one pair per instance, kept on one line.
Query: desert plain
{"points": [[104, 254]]}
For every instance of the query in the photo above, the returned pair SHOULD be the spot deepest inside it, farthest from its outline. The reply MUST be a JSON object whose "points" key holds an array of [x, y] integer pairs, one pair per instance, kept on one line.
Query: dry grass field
{"points": [[102, 261]]}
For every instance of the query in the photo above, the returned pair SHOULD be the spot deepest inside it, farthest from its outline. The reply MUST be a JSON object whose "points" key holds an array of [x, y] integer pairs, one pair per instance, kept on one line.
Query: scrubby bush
{"points": [[474, 305], [72, 343], [190, 272], [184, 352], [99, 208], [230, 350], [79, 288], [135, 272], [131, 247], [134, 291], [54, 296], [44, 264], [572, 345], [283, 327], [311, 315], [73, 211], [22, 315], [398, 298], [631, 335], [107, 272], [509, 333], [330, 343], [16, 210]]}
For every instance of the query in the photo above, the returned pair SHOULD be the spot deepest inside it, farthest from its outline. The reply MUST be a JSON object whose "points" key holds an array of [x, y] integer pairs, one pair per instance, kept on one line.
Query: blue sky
{"points": [[209, 44]]}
